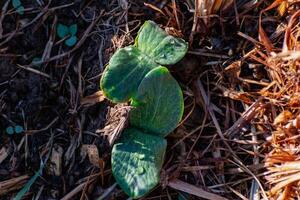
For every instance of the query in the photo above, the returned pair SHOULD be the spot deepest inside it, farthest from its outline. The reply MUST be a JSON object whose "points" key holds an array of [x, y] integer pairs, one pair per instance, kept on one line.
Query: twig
{"points": [[219, 131], [34, 71], [191, 189]]}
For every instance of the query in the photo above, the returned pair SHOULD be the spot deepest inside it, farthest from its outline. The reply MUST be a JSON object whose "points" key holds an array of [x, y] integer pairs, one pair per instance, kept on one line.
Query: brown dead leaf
{"points": [[55, 165], [13, 184], [216, 6], [282, 8], [234, 69], [92, 152], [92, 99], [295, 101], [288, 32], [239, 96], [283, 117], [117, 121], [261, 33]]}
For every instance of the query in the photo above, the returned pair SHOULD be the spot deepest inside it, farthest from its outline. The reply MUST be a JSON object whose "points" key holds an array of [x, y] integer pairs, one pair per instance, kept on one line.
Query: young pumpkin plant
{"points": [[135, 74]]}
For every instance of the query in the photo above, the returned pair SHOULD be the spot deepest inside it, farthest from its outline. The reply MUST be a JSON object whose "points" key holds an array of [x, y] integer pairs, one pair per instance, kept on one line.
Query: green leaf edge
{"points": [[16, 3], [177, 38], [112, 98], [106, 92], [73, 29], [120, 183], [135, 103], [20, 10], [71, 41], [62, 30]]}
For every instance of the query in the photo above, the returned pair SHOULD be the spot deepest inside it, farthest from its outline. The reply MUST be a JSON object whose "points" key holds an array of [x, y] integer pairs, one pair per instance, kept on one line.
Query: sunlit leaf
{"points": [[164, 49], [126, 69], [137, 159], [158, 104]]}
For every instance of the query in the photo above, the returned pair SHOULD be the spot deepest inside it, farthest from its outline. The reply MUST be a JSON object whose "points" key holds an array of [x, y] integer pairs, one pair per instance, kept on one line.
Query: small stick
{"points": [[34, 71]]}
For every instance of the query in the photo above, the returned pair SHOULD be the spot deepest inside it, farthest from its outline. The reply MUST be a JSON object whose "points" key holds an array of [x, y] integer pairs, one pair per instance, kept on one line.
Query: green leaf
{"points": [[73, 29], [164, 49], [9, 130], [71, 41], [19, 129], [28, 185], [158, 104], [16, 3], [126, 69], [137, 159], [62, 31], [20, 10]]}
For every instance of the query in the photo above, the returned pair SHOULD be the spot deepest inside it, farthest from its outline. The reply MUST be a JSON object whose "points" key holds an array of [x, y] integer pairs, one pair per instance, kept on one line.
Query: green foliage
{"points": [[16, 3], [158, 104], [20, 10], [28, 185], [10, 130], [164, 49], [138, 158], [71, 41], [73, 29], [18, 6], [127, 68], [133, 63], [64, 31], [134, 74], [18, 129]]}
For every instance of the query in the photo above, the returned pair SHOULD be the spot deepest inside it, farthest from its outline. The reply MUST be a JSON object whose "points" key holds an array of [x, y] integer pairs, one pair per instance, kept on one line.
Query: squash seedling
{"points": [[18, 6], [10, 130], [135, 74], [63, 31]]}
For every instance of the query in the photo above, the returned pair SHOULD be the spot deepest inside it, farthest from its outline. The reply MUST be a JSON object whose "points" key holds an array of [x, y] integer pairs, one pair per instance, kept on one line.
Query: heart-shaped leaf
{"points": [[137, 160], [73, 29], [20, 10], [158, 104], [18, 129], [126, 69], [16, 3], [10, 130], [71, 41], [62, 31], [164, 49]]}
